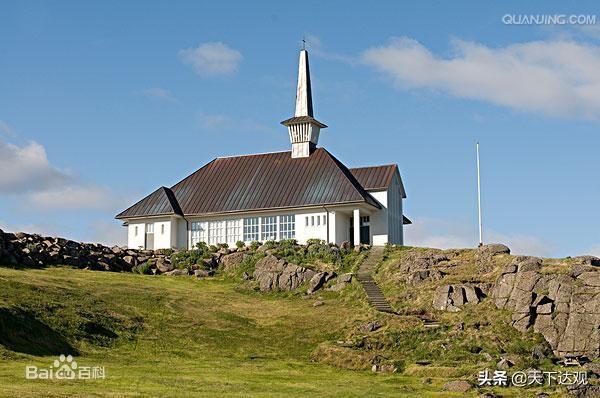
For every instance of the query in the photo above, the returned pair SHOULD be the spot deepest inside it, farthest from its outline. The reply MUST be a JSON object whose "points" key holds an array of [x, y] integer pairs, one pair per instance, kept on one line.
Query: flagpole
{"points": [[479, 199]]}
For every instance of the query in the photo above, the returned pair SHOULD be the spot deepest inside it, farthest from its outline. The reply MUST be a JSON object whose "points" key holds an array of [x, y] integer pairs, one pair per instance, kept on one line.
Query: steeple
{"points": [[303, 127]]}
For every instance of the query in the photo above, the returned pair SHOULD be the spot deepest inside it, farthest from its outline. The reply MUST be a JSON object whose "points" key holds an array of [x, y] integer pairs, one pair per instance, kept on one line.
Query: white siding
{"points": [[136, 240], [379, 219]]}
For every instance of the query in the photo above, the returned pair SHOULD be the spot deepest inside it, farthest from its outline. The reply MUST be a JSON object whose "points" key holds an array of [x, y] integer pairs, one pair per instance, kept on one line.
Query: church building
{"points": [[301, 194]]}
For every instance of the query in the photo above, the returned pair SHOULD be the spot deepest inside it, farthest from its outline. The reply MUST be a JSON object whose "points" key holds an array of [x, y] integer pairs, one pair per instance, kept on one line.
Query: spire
{"points": [[304, 105], [303, 127]]}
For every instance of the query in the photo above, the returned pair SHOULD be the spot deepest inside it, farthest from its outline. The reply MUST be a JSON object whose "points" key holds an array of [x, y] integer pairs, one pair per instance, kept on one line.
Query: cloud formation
{"points": [[554, 77], [210, 59], [159, 93], [27, 173]]}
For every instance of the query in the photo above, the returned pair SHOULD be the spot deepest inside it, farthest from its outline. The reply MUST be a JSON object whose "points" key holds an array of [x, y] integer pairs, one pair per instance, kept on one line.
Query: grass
{"points": [[174, 336]]}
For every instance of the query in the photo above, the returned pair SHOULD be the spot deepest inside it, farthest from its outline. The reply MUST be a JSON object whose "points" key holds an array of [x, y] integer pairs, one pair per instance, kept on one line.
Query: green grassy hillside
{"points": [[174, 336]]}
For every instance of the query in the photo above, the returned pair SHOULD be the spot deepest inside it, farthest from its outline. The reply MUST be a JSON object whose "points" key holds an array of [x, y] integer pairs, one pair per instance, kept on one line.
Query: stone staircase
{"points": [[365, 277]]}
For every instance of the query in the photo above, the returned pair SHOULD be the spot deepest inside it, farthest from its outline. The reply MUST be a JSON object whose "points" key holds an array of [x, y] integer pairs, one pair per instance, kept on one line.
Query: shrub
{"points": [[255, 245], [213, 248], [239, 244], [144, 268], [314, 241], [271, 244], [187, 258], [223, 245]]}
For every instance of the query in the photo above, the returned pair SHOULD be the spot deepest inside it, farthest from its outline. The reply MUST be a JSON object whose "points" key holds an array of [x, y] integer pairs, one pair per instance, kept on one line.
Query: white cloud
{"points": [[159, 93], [555, 77], [213, 121], [73, 197], [28, 174], [210, 59], [443, 234], [27, 168]]}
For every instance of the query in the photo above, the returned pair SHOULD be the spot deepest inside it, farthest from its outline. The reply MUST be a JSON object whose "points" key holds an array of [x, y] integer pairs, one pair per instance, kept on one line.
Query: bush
{"points": [[188, 258], [213, 248], [255, 245], [143, 268], [223, 246], [314, 241], [239, 244]]}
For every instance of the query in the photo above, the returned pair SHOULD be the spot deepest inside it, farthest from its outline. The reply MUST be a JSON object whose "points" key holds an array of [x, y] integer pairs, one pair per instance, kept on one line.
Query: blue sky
{"points": [[101, 103]]}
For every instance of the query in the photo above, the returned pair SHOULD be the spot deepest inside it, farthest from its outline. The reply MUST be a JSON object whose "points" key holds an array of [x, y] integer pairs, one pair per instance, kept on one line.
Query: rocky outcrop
{"points": [[273, 274], [21, 249], [452, 297], [233, 260], [564, 307]]}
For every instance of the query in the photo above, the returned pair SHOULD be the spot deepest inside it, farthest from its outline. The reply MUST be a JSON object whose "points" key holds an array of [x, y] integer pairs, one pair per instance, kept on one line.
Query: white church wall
{"points": [[162, 234], [379, 219], [311, 225], [136, 235], [342, 227]]}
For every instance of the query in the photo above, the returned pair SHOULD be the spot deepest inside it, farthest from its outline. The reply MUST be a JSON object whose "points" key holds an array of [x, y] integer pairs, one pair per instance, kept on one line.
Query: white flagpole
{"points": [[479, 198]]}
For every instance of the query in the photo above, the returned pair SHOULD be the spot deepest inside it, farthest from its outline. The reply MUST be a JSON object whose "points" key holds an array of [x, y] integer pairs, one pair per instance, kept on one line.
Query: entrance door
{"points": [[149, 236], [365, 230]]}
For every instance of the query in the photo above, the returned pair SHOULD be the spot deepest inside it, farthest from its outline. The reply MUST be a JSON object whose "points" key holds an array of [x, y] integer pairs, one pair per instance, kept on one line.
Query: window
{"points": [[136, 230], [199, 232], [150, 228], [250, 229], [324, 220], [216, 232], [287, 226], [318, 220], [312, 221], [269, 228], [365, 220], [234, 231], [162, 229], [307, 221]]}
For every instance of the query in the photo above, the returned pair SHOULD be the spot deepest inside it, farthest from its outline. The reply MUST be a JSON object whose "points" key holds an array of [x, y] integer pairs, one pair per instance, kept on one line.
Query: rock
{"points": [[452, 297], [209, 263], [587, 260], [163, 265], [504, 364], [246, 276], [538, 353], [318, 303], [338, 287], [201, 273], [457, 386], [346, 246], [177, 272], [274, 274], [384, 368], [347, 278], [370, 327], [486, 252], [262, 248], [593, 368], [233, 260], [316, 282]]}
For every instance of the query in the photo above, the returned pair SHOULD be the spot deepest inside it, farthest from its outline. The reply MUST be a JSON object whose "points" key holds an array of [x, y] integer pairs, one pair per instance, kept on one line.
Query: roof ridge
{"points": [[371, 167], [250, 154], [348, 174]]}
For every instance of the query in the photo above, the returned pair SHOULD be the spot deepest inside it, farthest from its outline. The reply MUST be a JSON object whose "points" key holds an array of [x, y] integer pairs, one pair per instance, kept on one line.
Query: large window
{"points": [[234, 231], [216, 232], [250, 229], [269, 228], [199, 232], [287, 227]]}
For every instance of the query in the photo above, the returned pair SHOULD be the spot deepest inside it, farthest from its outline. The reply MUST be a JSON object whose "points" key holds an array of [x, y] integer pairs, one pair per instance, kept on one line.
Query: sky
{"points": [[103, 102]]}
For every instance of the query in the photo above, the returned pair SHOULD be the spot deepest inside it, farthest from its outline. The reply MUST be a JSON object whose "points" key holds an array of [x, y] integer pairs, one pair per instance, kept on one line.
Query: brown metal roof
{"points": [[375, 177], [160, 202], [263, 181]]}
